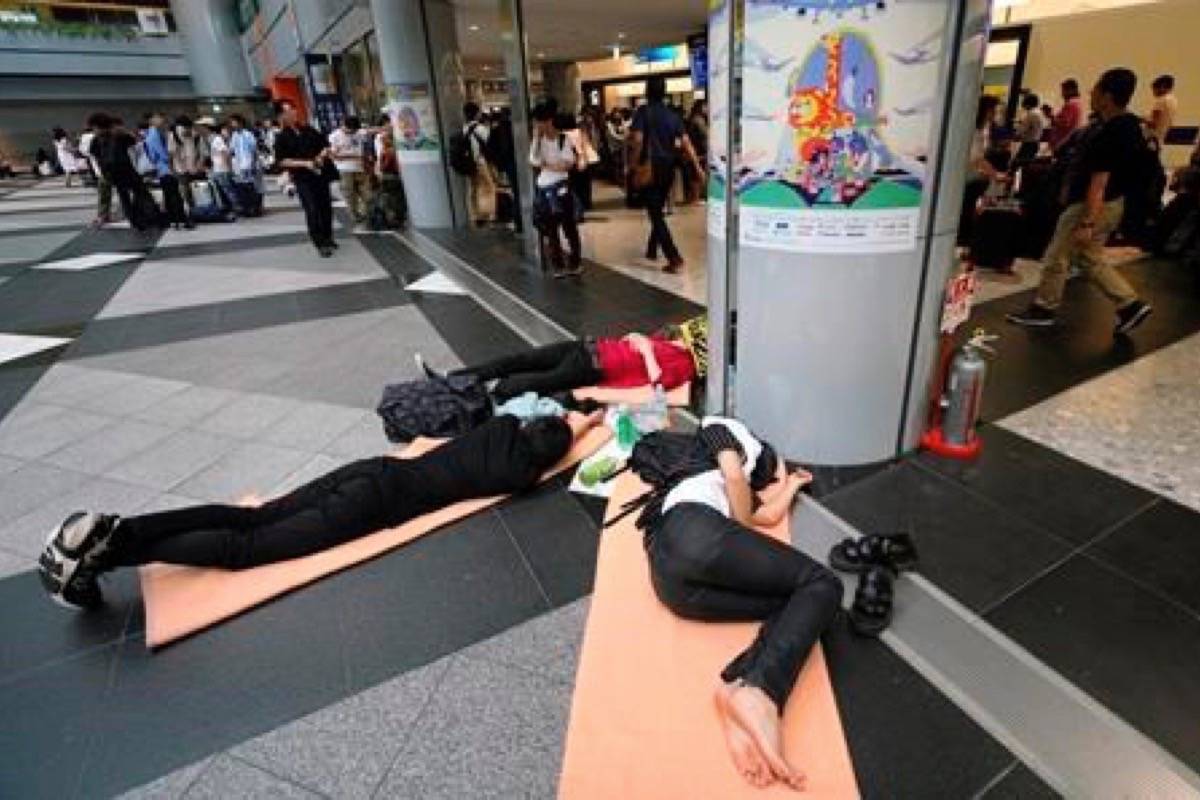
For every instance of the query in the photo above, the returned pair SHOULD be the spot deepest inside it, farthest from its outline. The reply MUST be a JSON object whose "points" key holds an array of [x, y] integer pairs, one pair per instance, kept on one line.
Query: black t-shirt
{"points": [[1116, 148], [111, 151], [662, 130], [303, 143], [490, 460]]}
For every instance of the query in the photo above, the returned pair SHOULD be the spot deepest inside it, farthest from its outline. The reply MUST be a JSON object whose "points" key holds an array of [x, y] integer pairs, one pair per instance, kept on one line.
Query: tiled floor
{"points": [[232, 360]]}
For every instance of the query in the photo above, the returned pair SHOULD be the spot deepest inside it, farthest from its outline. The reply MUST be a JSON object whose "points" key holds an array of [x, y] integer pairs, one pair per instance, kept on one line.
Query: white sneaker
{"points": [[67, 566]]}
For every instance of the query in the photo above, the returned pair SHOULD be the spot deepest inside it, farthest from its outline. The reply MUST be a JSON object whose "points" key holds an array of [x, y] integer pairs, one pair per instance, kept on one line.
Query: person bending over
{"points": [[708, 563], [632, 360], [499, 457]]}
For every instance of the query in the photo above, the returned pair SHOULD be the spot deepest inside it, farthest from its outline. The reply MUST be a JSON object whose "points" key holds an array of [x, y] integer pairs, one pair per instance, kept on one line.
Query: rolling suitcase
{"points": [[208, 203], [247, 198]]}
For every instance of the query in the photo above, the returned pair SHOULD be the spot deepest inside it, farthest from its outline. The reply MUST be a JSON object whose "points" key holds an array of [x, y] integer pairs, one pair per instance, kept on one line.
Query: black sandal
{"points": [[894, 550], [872, 609]]}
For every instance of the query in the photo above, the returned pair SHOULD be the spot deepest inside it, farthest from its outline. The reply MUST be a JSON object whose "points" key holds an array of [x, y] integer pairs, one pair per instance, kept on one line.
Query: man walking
{"points": [[303, 151], [346, 144], [1099, 177], [483, 186], [159, 154]]}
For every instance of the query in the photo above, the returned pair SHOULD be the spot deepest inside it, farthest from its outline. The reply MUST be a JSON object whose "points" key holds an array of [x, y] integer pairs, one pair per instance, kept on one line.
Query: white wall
{"points": [[1149, 39]]}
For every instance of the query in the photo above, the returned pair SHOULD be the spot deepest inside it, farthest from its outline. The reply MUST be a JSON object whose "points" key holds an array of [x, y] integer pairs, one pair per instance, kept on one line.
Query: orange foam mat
{"points": [[637, 395], [643, 724], [182, 600]]}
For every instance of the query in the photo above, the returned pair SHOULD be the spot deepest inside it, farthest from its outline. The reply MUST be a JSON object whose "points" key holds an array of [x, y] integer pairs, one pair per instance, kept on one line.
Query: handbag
{"points": [[642, 174]]}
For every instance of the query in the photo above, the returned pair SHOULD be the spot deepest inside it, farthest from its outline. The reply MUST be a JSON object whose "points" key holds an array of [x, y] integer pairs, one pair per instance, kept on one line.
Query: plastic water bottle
{"points": [[652, 416], [627, 432]]}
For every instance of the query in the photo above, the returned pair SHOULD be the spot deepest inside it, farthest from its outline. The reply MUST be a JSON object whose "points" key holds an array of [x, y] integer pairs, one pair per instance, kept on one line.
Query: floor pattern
{"points": [[232, 357]]}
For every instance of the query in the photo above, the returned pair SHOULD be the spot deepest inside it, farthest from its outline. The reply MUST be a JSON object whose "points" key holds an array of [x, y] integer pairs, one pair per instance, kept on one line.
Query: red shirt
{"points": [[1066, 121], [623, 366]]}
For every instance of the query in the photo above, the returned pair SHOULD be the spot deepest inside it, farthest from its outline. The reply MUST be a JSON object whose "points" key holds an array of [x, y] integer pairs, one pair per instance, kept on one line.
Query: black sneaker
{"points": [[1034, 317], [326, 252], [1132, 315], [69, 565]]}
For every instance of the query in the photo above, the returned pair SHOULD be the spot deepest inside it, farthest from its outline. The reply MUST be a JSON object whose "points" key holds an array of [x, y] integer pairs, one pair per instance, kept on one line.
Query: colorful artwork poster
{"points": [[414, 124], [836, 118]]}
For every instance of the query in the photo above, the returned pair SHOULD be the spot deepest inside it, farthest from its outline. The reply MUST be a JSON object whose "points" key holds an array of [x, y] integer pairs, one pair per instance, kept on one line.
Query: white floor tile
{"points": [[14, 346]]}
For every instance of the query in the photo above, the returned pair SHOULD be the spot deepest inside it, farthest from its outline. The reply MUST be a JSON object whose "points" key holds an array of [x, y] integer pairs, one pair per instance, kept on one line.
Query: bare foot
{"points": [[755, 713], [747, 759]]}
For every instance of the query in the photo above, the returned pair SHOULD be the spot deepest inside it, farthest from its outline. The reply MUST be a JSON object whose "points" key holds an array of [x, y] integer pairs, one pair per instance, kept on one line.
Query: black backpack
{"points": [[462, 154], [442, 407], [662, 459]]}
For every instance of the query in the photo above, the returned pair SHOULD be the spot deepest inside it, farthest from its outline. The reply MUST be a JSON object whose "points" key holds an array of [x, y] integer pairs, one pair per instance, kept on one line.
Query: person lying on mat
{"points": [[708, 563], [500, 457], [632, 360]]}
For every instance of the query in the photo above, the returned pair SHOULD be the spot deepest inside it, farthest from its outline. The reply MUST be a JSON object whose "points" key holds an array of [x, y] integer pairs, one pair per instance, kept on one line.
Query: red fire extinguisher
{"points": [[955, 414]]}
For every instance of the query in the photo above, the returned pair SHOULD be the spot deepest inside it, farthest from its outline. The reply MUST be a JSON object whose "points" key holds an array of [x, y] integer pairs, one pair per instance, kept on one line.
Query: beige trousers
{"points": [[1063, 249]]}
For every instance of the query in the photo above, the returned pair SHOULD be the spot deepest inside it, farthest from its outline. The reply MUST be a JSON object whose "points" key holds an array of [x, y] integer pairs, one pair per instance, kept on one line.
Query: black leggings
{"points": [[705, 566], [350, 502], [544, 370]]}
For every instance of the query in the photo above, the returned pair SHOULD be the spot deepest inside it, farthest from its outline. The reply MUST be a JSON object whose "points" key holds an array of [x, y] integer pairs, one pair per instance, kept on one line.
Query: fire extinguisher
{"points": [[953, 431]]}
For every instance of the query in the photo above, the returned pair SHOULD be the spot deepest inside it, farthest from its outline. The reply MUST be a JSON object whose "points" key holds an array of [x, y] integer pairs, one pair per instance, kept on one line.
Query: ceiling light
{"points": [[487, 68], [620, 35], [474, 27], [541, 55]]}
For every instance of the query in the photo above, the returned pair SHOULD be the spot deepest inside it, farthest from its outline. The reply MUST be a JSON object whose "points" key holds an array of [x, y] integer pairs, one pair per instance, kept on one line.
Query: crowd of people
{"points": [[1089, 174], [653, 153], [208, 170]]}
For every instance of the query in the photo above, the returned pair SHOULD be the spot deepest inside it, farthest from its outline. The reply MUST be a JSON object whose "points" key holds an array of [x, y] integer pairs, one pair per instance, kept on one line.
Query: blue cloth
{"points": [[157, 152], [529, 406], [243, 148]]}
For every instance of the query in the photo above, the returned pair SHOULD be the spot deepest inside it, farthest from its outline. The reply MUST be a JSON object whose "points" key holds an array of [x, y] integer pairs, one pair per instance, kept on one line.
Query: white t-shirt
{"points": [[548, 150], [708, 488], [1166, 106], [222, 161], [85, 146], [343, 143]]}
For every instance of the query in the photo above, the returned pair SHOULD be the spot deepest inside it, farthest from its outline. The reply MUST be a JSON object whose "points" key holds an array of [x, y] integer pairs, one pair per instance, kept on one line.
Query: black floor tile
{"points": [[1043, 486], [907, 740], [1020, 783], [471, 332], [557, 538], [1032, 365], [146, 713], [601, 302], [47, 725], [1160, 548], [827, 480], [1131, 650], [976, 551], [37, 301], [36, 631], [452, 588], [396, 257]]}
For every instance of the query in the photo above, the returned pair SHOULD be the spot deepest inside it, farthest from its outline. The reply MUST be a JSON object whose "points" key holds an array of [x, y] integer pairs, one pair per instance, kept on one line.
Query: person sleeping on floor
{"points": [[708, 563], [662, 359], [500, 457]]}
